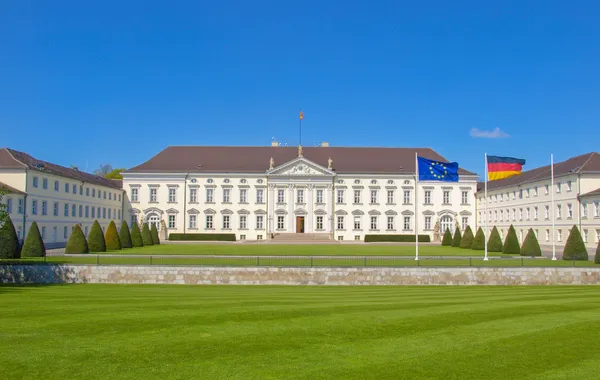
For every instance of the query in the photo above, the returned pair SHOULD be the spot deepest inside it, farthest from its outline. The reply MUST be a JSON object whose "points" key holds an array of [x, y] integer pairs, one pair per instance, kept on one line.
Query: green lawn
{"points": [[263, 332]]}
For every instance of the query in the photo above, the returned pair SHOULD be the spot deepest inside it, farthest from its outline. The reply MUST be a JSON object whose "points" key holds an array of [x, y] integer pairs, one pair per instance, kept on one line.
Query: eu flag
{"points": [[430, 170]]}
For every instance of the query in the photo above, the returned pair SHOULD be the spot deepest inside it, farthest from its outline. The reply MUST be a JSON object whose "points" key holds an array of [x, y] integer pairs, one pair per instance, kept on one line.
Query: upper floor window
{"points": [[44, 183], [172, 195], [243, 195], [535, 191], [56, 185], [226, 196], [260, 196], [546, 189], [9, 205], [300, 196], [210, 195], [74, 190], [193, 195], [35, 182], [569, 210], [93, 193], [280, 196], [153, 195], [340, 196], [134, 194], [66, 187], [407, 197], [357, 196], [464, 197], [427, 197], [446, 197], [558, 187], [34, 207], [569, 186], [373, 196], [319, 195]]}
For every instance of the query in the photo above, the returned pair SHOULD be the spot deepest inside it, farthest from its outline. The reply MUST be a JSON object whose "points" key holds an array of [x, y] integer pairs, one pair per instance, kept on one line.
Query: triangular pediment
{"points": [[300, 167]]}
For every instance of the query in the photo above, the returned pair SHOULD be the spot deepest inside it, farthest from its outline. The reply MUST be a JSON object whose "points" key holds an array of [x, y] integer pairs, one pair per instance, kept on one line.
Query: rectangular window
{"points": [[87, 211], [465, 222], [546, 189], [340, 238], [193, 222], [596, 209], [119, 215], [520, 214], [527, 213], [357, 222], [300, 196], [535, 213], [104, 195], [226, 222], [559, 235], [569, 186], [73, 210], [44, 208], [80, 211], [87, 192], [584, 213], [43, 232], [569, 210], [134, 194], [464, 197], [280, 222], [35, 181], [9, 205], [390, 222], [260, 222], [109, 213], [428, 222], [320, 196], [172, 195], [86, 231], [94, 193], [34, 206], [558, 187], [210, 195], [65, 232], [94, 213], [243, 195], [74, 190], [547, 235], [110, 196], [99, 213], [209, 222], [81, 190], [535, 191], [527, 193], [280, 196], [171, 221], [357, 237], [373, 196], [340, 222], [520, 193], [340, 196], [558, 211], [259, 237], [193, 195], [391, 197], [153, 194], [242, 237], [406, 223], [427, 197], [56, 185], [357, 196], [585, 236], [45, 183], [373, 222], [260, 196], [66, 187], [446, 197], [243, 222], [104, 213], [319, 222], [547, 212], [226, 195], [407, 197]]}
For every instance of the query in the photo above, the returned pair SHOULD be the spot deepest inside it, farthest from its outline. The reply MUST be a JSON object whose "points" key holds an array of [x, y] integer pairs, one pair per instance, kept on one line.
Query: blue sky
{"points": [[87, 83]]}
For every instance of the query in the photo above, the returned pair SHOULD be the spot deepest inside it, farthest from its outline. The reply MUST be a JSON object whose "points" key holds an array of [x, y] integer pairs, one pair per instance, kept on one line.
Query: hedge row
{"points": [[201, 237], [111, 240], [396, 238]]}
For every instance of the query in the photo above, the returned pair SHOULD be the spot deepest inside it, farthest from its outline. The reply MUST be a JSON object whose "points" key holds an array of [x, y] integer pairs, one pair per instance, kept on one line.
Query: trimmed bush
{"points": [[397, 238], [479, 240], [34, 244], [77, 242], [575, 248], [531, 246], [136, 235], [495, 241], [511, 245], [597, 258], [96, 242], [201, 237], [146, 237], [447, 239], [457, 238], [113, 242], [467, 238], [125, 236], [154, 234], [9, 241]]}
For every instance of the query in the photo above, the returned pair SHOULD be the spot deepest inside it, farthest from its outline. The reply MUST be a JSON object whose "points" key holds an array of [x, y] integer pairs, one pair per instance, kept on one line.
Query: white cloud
{"points": [[495, 133]]}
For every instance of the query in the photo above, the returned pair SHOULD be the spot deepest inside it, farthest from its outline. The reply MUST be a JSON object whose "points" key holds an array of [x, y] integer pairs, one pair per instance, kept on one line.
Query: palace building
{"points": [[260, 192]]}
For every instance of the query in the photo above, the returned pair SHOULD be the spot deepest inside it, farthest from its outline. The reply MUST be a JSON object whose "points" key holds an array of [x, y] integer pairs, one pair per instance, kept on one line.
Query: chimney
{"points": [[324, 144], [274, 143]]}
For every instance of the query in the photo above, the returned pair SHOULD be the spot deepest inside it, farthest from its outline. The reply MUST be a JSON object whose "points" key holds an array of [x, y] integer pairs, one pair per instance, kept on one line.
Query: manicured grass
{"points": [[300, 250], [243, 332]]}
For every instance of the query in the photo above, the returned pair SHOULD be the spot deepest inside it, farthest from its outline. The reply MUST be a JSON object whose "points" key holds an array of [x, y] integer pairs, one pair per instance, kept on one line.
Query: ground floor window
{"points": [[390, 222], [446, 223], [171, 221], [357, 222], [407, 223], [86, 230], [357, 237], [465, 222], [547, 235], [428, 222], [319, 222], [585, 236], [340, 238], [226, 222], [340, 222], [193, 222], [154, 220], [280, 222], [559, 235], [43, 232], [259, 222], [259, 237], [65, 232], [242, 237], [209, 222], [243, 222]]}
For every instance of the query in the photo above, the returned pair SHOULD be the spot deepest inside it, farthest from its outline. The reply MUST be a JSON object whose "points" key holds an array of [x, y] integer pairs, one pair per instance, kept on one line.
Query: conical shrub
{"points": [[467, 238], [597, 258], [34, 244], [9, 241], [457, 238], [96, 241], [531, 246], [125, 236], [113, 243], [479, 240], [136, 235], [154, 234], [575, 248], [77, 242], [146, 237], [511, 245], [495, 241], [447, 239]]}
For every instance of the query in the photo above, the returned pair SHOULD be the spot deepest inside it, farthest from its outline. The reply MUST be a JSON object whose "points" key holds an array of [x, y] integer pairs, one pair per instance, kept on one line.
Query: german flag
{"points": [[503, 167]]}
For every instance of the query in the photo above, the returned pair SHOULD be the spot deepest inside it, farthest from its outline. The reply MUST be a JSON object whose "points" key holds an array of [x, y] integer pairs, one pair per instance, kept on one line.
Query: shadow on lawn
{"points": [[43, 274]]}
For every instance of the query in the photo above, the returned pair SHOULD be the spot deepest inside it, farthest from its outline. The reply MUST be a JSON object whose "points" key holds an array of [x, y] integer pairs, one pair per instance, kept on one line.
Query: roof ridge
{"points": [[586, 161], [8, 150]]}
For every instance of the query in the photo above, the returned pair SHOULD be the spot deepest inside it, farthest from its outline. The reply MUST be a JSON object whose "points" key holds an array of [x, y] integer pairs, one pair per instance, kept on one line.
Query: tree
{"points": [[495, 241], [115, 174], [597, 258], [136, 235], [96, 241], [511, 245], [531, 246], [457, 238], [146, 237], [9, 241], [34, 244], [467, 238], [103, 170], [125, 236], [154, 234], [3, 212], [479, 240], [447, 239], [575, 248], [77, 242], [113, 243]]}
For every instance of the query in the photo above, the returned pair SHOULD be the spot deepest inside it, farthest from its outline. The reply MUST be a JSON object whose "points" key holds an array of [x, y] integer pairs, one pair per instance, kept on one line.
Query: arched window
{"points": [[153, 219], [446, 223]]}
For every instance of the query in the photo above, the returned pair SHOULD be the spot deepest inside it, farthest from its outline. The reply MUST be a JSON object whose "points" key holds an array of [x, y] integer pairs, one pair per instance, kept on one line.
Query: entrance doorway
{"points": [[299, 224]]}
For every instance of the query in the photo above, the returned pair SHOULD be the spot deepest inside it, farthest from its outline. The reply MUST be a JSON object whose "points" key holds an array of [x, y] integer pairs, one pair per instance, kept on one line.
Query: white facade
{"points": [[299, 196], [529, 205]]}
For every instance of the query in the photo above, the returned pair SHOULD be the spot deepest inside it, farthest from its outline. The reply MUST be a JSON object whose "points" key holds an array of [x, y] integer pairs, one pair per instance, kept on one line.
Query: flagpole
{"points": [[416, 206], [300, 129], [485, 216], [553, 206]]}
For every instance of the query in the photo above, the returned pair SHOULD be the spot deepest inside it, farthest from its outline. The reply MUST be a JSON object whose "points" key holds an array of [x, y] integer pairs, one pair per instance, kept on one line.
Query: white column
{"points": [[290, 206], [310, 209], [272, 197]]}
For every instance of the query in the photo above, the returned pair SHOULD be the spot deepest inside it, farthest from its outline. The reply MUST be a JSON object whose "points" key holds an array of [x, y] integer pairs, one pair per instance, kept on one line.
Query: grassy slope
{"points": [[180, 332]]}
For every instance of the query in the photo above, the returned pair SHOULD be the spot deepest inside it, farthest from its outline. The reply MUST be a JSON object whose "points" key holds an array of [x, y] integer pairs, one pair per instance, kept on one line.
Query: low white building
{"points": [[56, 197], [525, 201], [258, 192]]}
